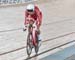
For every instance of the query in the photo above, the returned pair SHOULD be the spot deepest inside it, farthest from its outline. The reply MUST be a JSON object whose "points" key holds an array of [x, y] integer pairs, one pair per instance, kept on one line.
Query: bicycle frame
{"points": [[33, 31], [32, 38]]}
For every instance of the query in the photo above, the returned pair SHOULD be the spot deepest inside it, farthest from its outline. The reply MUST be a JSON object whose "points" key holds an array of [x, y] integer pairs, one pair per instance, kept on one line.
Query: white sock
{"points": [[39, 37]]}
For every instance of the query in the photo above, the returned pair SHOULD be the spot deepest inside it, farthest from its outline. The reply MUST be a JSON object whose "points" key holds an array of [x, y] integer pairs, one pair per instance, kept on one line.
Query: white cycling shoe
{"points": [[39, 39]]}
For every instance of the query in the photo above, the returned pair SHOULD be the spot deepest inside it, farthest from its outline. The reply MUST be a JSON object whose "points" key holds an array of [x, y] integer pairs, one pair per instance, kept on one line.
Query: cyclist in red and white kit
{"points": [[33, 11]]}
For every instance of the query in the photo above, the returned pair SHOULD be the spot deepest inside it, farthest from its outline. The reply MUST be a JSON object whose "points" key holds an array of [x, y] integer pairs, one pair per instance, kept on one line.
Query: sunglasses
{"points": [[30, 10]]}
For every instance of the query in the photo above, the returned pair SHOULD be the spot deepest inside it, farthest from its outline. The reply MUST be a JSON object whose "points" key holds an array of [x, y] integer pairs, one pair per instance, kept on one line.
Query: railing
{"points": [[13, 2]]}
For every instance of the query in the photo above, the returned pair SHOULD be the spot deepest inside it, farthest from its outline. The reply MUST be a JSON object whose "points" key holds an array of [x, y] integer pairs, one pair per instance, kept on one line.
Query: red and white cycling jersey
{"points": [[37, 16]]}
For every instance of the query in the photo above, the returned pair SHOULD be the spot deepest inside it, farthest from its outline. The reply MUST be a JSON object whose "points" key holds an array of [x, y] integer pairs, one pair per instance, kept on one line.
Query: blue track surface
{"points": [[61, 55]]}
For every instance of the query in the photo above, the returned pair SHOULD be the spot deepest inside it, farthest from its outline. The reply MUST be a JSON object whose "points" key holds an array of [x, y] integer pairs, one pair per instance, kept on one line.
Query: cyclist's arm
{"points": [[39, 19], [26, 22]]}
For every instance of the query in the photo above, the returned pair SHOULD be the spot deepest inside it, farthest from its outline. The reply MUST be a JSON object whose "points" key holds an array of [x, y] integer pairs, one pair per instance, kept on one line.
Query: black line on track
{"points": [[49, 50], [42, 41]]}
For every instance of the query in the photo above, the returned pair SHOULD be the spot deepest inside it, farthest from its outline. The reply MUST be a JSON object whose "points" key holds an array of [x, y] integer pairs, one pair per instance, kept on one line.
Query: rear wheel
{"points": [[36, 49], [29, 45], [36, 46]]}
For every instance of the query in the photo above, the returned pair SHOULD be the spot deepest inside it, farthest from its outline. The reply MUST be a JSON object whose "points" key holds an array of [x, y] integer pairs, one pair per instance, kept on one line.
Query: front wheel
{"points": [[29, 45]]}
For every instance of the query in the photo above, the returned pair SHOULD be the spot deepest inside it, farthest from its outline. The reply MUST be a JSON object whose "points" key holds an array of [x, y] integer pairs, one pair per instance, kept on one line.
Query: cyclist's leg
{"points": [[39, 35], [39, 38]]}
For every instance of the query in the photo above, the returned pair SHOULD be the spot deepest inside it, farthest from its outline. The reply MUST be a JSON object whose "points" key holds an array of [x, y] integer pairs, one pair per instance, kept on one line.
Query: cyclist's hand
{"points": [[24, 29]]}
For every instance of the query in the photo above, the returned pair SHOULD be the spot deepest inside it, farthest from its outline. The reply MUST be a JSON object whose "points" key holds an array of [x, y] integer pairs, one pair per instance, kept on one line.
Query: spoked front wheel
{"points": [[29, 45]]}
